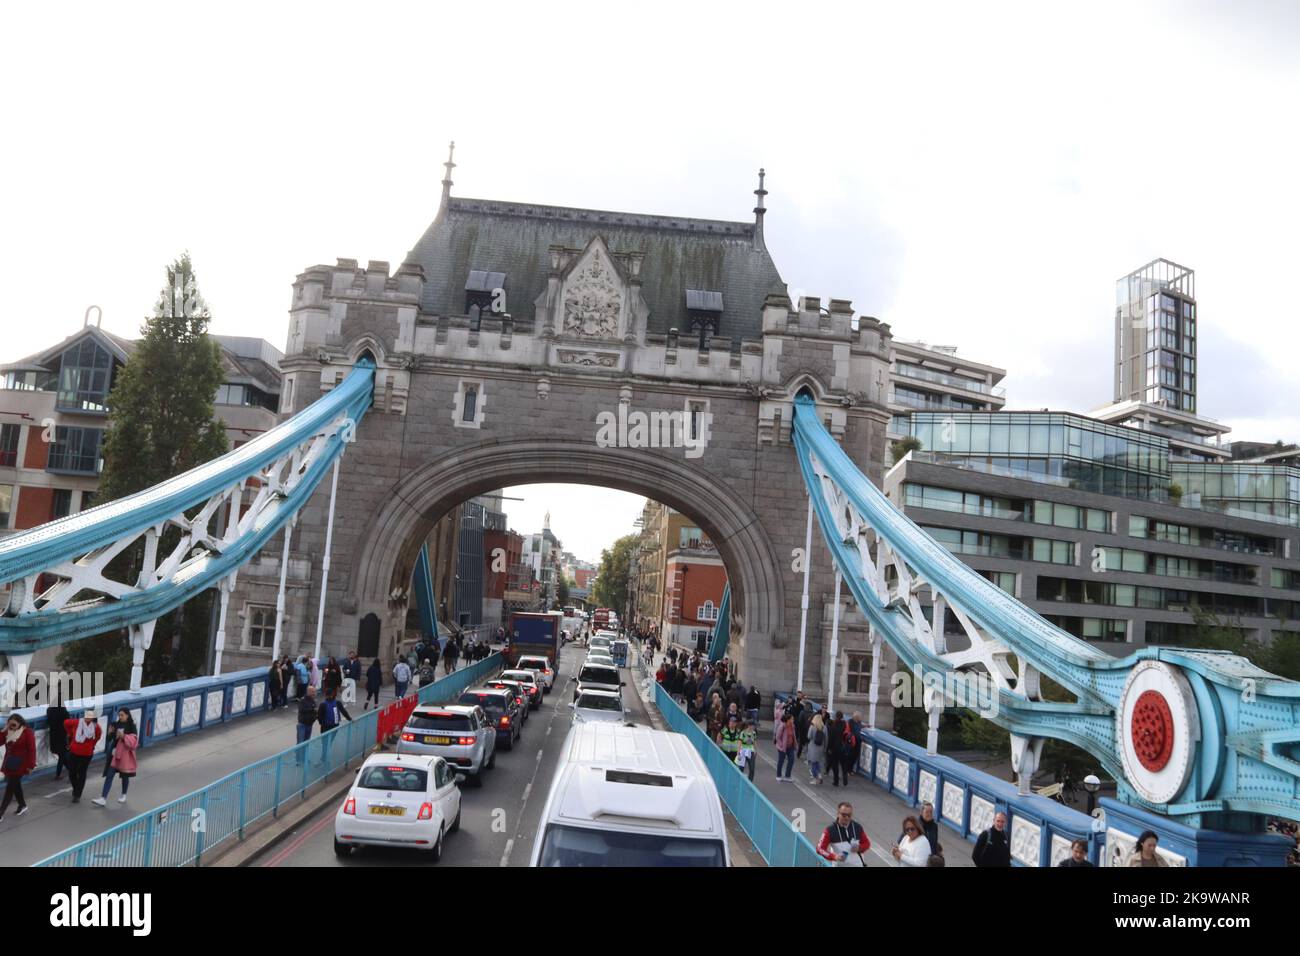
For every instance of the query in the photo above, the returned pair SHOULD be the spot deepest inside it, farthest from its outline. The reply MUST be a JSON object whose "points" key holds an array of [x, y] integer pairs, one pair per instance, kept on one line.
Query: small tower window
{"points": [[471, 404], [704, 309], [485, 293]]}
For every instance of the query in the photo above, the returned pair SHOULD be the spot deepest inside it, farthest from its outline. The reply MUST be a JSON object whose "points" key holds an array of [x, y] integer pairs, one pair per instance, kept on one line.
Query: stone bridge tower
{"points": [[513, 331]]}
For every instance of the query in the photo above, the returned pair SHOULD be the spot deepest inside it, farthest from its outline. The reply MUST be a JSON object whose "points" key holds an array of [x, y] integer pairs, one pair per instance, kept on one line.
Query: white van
{"points": [[630, 796]]}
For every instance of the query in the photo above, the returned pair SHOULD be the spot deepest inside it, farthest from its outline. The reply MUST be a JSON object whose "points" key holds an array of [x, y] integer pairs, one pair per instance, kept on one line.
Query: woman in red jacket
{"points": [[83, 735], [19, 760]]}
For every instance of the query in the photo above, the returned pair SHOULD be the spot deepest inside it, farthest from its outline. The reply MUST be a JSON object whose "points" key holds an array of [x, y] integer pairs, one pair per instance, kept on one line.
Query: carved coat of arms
{"points": [[592, 302]]}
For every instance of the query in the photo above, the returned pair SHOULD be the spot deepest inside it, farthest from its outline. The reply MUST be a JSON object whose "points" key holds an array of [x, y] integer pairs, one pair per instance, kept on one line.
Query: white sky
{"points": [[975, 174]]}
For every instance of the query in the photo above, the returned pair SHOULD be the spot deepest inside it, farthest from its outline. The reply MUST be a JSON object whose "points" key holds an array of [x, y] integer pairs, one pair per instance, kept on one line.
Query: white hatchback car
{"points": [[599, 705], [399, 800], [542, 666]]}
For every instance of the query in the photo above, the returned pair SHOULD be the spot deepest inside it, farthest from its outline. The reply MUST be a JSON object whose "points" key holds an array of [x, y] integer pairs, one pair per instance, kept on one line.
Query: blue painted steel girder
{"points": [[1245, 753], [68, 539]]}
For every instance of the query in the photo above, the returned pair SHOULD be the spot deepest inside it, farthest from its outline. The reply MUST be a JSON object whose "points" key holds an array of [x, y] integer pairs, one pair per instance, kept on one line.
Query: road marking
{"points": [[830, 811], [505, 857], [297, 842], [58, 792], [528, 788]]}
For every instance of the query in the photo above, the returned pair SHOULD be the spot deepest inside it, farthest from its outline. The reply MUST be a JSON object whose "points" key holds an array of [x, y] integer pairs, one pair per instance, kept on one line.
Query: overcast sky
{"points": [[977, 175]]}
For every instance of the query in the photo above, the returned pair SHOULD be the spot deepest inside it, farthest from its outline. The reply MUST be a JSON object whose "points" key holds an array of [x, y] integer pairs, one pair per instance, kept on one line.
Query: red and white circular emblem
{"points": [[1157, 727]]}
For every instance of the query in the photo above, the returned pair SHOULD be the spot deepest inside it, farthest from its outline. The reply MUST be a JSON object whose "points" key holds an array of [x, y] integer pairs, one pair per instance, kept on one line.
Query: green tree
{"points": [[562, 591], [610, 587], [161, 423], [900, 448]]}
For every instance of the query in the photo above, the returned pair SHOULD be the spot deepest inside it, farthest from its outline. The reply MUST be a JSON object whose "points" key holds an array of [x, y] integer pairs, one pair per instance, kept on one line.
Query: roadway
{"points": [[498, 820]]}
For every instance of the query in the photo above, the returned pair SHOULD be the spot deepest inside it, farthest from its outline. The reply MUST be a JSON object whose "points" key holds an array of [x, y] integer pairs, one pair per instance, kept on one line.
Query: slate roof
{"points": [[679, 254]]}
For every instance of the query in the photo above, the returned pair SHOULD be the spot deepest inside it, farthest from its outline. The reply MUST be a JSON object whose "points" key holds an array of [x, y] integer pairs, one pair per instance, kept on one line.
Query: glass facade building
{"points": [[1064, 449], [1155, 336]]}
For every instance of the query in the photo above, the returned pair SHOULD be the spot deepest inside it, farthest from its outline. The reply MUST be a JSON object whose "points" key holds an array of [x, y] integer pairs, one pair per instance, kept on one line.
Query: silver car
{"points": [[599, 705], [463, 736]]}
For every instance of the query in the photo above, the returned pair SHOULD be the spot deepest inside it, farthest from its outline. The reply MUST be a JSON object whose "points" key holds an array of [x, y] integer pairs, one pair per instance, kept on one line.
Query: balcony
{"points": [[953, 381]]}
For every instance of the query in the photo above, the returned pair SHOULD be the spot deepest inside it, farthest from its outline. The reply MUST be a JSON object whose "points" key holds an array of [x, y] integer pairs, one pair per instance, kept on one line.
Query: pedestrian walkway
{"points": [[880, 812], [167, 771]]}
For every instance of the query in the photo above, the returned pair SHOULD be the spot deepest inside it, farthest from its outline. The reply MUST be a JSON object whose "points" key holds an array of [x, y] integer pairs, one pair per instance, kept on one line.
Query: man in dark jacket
{"points": [[753, 701], [1078, 854], [307, 716], [57, 737], [993, 848], [689, 688], [331, 708]]}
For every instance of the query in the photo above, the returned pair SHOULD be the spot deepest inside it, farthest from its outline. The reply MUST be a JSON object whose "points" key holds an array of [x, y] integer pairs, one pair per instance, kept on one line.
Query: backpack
{"points": [[850, 739], [819, 739], [331, 708]]}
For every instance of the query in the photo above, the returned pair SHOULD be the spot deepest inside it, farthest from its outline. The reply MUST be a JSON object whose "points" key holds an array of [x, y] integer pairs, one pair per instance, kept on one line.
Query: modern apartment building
{"points": [[934, 378], [53, 413], [1155, 336], [678, 579], [1075, 518]]}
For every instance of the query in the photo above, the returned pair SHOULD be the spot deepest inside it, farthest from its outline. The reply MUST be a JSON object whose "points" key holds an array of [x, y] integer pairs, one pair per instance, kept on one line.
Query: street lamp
{"points": [[1092, 784]]}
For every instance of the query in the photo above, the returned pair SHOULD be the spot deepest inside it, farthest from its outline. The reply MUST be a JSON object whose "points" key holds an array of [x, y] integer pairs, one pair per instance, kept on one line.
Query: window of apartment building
{"points": [[706, 612], [1070, 516], [9, 445], [87, 500], [85, 370], [1137, 526], [1124, 559], [1173, 533], [971, 503], [1278, 577], [1055, 552], [75, 450], [261, 625], [6, 505], [857, 673], [1174, 567], [60, 503]]}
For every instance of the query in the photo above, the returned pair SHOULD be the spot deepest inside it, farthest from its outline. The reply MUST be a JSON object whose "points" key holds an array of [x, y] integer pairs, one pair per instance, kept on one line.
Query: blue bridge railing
{"points": [[179, 833]]}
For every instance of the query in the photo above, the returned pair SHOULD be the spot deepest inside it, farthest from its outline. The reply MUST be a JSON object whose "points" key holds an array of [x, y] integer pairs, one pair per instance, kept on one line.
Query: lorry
{"points": [[534, 633], [572, 621]]}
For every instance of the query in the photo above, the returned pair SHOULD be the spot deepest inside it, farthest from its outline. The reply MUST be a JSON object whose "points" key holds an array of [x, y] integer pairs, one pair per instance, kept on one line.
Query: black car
{"points": [[499, 704]]}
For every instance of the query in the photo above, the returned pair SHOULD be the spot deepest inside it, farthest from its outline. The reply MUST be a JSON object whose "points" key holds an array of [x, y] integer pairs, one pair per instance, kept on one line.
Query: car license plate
{"points": [[437, 740], [388, 811]]}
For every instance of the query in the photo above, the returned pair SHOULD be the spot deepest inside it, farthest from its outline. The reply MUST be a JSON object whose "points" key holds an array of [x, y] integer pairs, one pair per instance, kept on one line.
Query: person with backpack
{"points": [[840, 740], [328, 716], [19, 760], [992, 848], [844, 841], [122, 743], [816, 750]]}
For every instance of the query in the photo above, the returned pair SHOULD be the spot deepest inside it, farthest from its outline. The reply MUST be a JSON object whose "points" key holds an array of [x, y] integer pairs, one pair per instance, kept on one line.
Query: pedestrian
{"points": [[449, 655], [778, 714], [1145, 854], [930, 827], [332, 678], [753, 703], [835, 741], [914, 848], [747, 757], [1078, 854], [786, 743], [844, 841], [428, 674], [274, 684], [661, 674], [83, 736], [854, 751], [57, 735], [801, 725], [313, 667], [690, 688], [714, 727], [302, 677], [287, 674], [434, 653], [992, 848], [19, 760], [352, 672], [307, 717], [331, 708], [374, 681], [697, 710], [401, 677], [123, 739], [729, 738], [816, 749]]}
